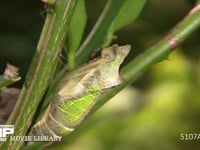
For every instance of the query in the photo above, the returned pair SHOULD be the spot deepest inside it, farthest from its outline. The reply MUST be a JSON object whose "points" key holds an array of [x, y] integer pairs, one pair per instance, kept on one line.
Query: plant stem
{"points": [[41, 70], [158, 52]]}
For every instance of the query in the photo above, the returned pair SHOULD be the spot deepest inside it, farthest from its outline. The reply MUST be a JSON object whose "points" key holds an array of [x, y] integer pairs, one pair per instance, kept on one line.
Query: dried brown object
{"points": [[8, 99], [11, 73]]}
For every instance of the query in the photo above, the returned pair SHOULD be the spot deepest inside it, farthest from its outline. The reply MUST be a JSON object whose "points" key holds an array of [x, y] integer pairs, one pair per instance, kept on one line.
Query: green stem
{"points": [[156, 53], [41, 70]]}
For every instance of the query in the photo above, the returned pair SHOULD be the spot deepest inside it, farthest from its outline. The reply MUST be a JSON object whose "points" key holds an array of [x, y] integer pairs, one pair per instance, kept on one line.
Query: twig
{"points": [[42, 69]]}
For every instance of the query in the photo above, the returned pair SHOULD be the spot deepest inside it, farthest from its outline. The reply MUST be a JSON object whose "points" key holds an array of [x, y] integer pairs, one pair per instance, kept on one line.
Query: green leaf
{"points": [[129, 11], [77, 27], [115, 15]]}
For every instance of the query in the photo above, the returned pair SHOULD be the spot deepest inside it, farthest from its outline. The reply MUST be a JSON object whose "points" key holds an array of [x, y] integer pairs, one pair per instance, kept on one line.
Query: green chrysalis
{"points": [[78, 91]]}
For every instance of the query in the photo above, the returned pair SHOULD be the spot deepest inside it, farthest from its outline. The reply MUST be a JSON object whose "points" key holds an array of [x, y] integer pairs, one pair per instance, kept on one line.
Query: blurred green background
{"points": [[150, 114]]}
